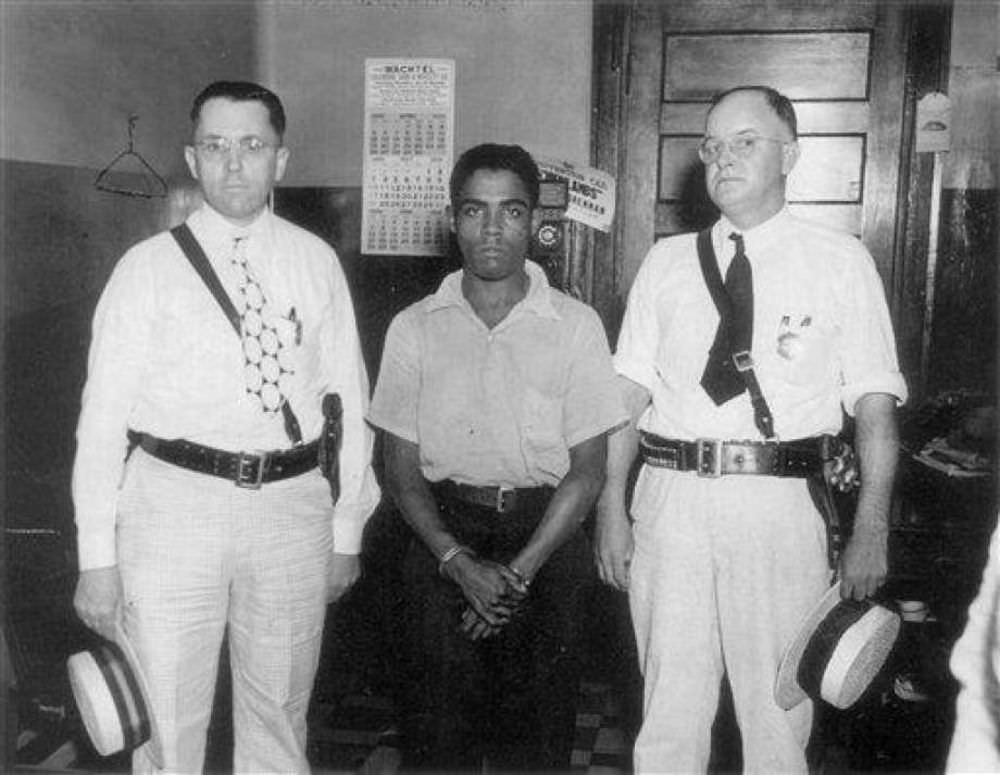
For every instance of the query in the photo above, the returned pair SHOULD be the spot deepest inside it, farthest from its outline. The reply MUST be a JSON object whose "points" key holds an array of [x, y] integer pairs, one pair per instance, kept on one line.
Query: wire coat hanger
{"points": [[154, 185]]}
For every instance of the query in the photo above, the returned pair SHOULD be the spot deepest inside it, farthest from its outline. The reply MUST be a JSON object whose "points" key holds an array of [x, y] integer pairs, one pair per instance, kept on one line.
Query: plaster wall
{"points": [[522, 73]]}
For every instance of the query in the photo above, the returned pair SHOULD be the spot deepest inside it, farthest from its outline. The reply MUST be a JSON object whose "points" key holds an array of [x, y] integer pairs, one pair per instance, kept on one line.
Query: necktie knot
{"points": [[737, 239], [239, 254], [738, 276]]}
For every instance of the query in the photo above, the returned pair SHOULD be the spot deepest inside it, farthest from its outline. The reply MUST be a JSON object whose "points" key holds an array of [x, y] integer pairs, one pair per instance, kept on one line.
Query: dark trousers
{"points": [[510, 697]]}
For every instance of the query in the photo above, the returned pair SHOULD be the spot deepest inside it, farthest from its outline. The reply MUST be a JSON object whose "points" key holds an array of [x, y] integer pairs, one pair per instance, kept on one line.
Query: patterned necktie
{"points": [[267, 363], [721, 380]]}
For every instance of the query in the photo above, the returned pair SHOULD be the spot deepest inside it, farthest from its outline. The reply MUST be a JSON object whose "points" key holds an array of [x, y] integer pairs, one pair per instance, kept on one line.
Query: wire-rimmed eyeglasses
{"points": [[741, 146], [217, 147]]}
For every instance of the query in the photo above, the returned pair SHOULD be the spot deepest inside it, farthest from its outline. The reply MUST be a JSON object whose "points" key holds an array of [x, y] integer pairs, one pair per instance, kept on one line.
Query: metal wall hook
{"points": [[133, 119], [153, 185]]}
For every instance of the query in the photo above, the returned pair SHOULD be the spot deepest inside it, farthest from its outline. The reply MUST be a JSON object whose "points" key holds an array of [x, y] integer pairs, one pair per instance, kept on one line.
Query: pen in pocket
{"points": [[293, 317]]}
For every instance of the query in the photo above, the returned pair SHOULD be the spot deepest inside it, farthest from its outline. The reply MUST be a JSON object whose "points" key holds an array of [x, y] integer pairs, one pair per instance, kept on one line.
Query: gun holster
{"points": [[330, 441], [836, 504]]}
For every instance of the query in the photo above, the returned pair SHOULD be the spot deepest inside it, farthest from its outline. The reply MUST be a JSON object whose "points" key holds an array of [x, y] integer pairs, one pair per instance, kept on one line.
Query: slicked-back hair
{"points": [[779, 103], [242, 91], [490, 156]]}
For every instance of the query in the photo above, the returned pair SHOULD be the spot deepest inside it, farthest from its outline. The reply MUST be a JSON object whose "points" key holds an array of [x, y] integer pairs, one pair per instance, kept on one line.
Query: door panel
{"points": [[834, 116], [810, 65]]}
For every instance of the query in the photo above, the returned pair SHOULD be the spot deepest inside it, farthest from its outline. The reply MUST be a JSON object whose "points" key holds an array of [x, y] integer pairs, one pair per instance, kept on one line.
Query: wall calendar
{"points": [[409, 137]]}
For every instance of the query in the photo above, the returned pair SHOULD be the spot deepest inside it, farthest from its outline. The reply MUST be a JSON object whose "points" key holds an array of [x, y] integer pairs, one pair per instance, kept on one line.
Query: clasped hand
{"points": [[494, 592]]}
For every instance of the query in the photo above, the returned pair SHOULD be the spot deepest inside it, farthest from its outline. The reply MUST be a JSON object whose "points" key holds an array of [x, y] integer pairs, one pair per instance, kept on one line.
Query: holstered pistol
{"points": [[834, 491], [330, 441]]}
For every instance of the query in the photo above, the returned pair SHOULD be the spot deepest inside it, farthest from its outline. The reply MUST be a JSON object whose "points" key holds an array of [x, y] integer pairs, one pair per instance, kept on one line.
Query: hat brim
{"points": [[123, 641], [787, 692]]}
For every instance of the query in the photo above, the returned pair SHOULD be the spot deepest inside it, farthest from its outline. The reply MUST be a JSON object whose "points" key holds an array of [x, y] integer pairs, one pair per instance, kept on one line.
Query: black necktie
{"points": [[721, 379]]}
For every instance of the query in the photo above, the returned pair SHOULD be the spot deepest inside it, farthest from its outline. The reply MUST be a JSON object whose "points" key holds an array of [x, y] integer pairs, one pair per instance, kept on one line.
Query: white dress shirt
{"points": [[822, 335], [165, 360]]}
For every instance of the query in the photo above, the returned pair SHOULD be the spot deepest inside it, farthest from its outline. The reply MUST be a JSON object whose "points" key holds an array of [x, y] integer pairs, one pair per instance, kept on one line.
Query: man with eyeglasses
{"points": [[200, 506], [734, 407]]}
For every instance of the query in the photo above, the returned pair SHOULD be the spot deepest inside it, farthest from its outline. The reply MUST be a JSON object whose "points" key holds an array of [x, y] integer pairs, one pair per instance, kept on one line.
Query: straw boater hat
{"points": [[838, 651], [112, 696]]}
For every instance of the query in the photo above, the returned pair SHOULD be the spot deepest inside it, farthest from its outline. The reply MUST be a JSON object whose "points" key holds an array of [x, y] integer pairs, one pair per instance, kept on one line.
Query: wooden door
{"points": [[659, 63]]}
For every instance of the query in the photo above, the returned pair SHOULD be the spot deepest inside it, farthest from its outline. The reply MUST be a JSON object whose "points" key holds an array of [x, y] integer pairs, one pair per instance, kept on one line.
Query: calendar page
{"points": [[409, 136]]}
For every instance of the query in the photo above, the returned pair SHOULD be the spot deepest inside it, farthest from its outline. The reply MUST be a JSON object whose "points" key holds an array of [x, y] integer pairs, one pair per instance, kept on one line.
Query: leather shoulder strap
{"points": [[710, 271], [192, 249]]}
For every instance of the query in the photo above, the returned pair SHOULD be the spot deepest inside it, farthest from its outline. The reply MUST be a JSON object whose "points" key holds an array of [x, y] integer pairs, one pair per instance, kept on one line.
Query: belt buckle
{"points": [[708, 457], [243, 467], [501, 504], [743, 360]]}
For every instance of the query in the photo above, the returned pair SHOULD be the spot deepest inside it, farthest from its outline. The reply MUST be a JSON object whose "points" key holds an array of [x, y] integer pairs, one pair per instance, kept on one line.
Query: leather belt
{"points": [[502, 500], [714, 457], [245, 469]]}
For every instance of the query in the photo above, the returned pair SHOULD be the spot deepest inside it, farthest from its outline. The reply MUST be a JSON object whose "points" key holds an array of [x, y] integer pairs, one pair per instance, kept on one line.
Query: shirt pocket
{"points": [[541, 433]]}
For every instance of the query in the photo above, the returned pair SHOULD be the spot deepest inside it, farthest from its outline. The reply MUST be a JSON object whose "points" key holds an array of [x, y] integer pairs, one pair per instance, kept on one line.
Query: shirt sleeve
{"points": [[346, 375], [635, 354], [397, 392], [867, 344], [974, 744], [593, 402], [119, 354]]}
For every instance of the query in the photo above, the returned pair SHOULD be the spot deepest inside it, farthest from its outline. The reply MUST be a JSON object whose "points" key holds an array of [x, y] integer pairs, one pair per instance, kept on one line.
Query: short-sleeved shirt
{"points": [[503, 405], [822, 335]]}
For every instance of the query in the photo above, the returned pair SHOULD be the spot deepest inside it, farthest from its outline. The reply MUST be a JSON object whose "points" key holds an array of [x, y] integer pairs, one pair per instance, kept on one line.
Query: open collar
{"points": [[537, 301], [216, 233]]}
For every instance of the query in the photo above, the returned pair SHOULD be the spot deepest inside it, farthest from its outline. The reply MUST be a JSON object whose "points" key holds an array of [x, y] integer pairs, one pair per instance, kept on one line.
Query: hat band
{"points": [[859, 649], [823, 643], [125, 693]]}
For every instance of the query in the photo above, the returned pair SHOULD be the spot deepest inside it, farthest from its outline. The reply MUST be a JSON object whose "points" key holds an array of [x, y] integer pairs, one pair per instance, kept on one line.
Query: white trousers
{"points": [[196, 554], [724, 570]]}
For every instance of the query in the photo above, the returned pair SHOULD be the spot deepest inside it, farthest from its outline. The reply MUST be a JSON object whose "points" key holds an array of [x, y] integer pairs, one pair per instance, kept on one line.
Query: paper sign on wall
{"points": [[933, 123], [591, 192], [409, 136]]}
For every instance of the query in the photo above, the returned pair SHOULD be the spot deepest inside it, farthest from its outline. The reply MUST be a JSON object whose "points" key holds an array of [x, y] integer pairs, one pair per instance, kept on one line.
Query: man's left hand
{"points": [[344, 571], [864, 564]]}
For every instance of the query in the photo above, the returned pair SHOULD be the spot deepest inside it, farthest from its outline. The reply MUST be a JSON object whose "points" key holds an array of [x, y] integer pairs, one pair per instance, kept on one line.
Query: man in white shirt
{"points": [[723, 551], [216, 516]]}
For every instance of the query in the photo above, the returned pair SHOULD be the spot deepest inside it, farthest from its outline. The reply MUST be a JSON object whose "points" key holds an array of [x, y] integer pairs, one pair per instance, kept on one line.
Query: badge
{"points": [[790, 344]]}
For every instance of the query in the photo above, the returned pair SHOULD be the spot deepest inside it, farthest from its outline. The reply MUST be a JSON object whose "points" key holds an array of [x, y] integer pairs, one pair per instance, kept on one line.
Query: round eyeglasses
{"points": [[219, 147], [740, 146]]}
